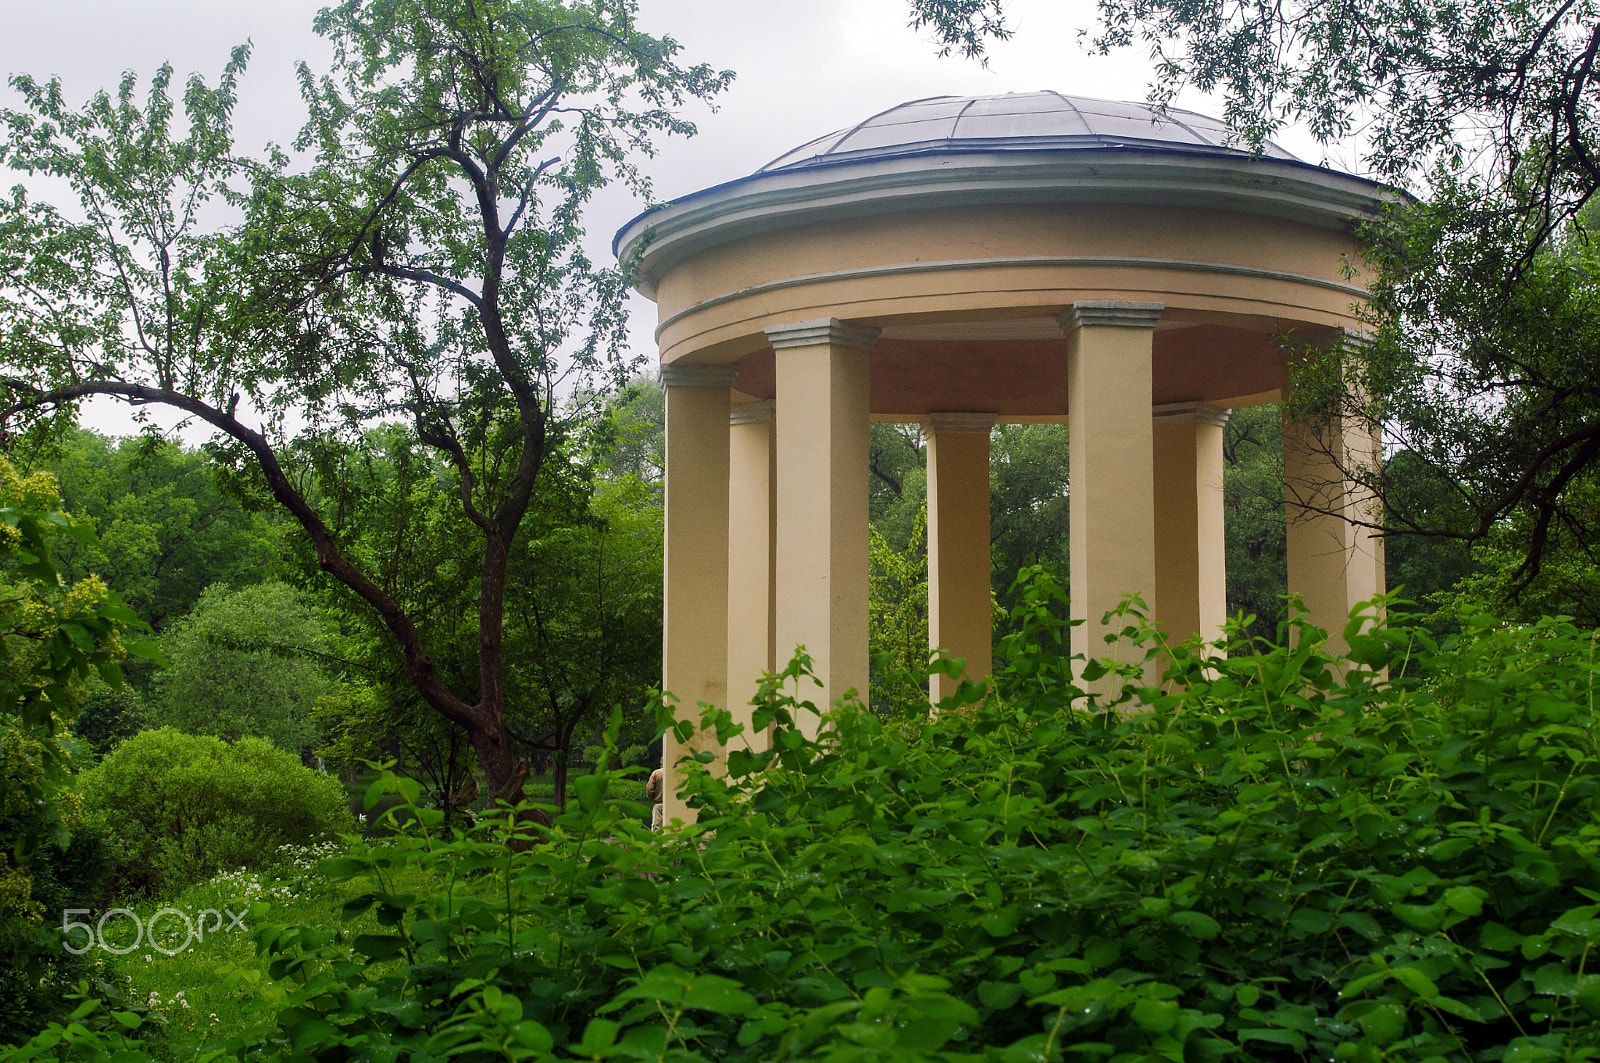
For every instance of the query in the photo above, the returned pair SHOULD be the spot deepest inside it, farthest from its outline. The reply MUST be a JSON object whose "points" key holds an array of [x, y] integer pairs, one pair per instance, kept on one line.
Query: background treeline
{"points": [[254, 645]]}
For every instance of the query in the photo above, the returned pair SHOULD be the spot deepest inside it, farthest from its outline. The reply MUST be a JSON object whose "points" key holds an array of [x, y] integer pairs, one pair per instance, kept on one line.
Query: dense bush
{"points": [[1283, 856], [183, 807]]}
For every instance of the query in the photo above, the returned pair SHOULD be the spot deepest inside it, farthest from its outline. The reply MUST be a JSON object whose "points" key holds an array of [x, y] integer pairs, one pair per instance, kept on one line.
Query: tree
{"points": [[588, 639], [244, 663], [166, 529], [1252, 494], [425, 264], [897, 622], [631, 438], [582, 636], [1027, 503], [1485, 359]]}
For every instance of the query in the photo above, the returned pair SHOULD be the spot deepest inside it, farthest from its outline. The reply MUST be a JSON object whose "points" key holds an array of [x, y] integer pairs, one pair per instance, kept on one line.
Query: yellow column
{"points": [[1111, 471], [959, 619], [695, 622], [752, 568], [1334, 562], [1191, 558], [822, 409]]}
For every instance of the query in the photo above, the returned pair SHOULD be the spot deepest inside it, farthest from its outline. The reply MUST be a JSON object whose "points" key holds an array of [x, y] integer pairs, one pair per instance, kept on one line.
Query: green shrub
{"points": [[1278, 856], [55, 638], [183, 807]]}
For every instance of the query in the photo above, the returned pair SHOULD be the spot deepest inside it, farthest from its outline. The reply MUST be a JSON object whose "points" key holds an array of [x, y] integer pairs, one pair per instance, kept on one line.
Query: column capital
{"points": [[698, 376], [1325, 340], [750, 412], [824, 330], [958, 422], [1200, 412], [1118, 313]]}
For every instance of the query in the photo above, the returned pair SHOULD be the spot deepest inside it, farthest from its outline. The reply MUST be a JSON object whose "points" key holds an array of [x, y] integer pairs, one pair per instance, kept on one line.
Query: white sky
{"points": [[804, 67]]}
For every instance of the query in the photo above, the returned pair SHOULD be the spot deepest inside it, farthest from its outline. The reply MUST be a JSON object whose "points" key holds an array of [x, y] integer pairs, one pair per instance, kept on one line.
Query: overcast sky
{"points": [[804, 67]]}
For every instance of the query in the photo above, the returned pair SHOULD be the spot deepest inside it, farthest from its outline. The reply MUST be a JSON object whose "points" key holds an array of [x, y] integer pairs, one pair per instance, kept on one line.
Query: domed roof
{"points": [[957, 152], [1016, 121]]}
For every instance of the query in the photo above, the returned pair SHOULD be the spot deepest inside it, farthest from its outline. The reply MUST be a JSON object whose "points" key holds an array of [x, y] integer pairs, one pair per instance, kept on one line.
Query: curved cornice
{"points": [[767, 202], [1034, 261]]}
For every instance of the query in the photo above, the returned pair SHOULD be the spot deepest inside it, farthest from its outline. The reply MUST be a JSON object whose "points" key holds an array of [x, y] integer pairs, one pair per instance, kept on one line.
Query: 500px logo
{"points": [[193, 929]]}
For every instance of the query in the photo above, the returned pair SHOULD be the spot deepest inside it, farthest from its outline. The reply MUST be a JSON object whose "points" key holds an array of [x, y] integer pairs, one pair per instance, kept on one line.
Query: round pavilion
{"points": [[960, 262]]}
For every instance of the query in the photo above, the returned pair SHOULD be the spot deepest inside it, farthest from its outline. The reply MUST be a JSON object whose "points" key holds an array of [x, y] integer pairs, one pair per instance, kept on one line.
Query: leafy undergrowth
{"points": [[190, 971], [1278, 856]]}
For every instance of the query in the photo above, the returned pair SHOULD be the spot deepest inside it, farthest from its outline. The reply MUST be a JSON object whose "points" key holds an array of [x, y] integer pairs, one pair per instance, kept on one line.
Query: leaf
{"points": [[530, 1034], [379, 946], [1468, 900], [1414, 980], [1423, 918], [999, 995], [1293, 1038], [1456, 1008], [1197, 924], [1383, 1024], [1363, 924], [1530, 1050], [722, 996], [1498, 938], [1311, 920], [375, 791], [1555, 980], [1102, 953], [1155, 1016], [1001, 923], [339, 868], [310, 1033], [590, 791], [598, 1035], [1587, 994]]}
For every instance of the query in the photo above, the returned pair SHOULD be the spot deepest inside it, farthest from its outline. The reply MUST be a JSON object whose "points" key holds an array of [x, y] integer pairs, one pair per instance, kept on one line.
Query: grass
{"points": [[216, 986]]}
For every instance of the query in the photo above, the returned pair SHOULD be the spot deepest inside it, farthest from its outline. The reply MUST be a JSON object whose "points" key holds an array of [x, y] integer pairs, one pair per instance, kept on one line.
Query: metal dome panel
{"points": [[1016, 121]]}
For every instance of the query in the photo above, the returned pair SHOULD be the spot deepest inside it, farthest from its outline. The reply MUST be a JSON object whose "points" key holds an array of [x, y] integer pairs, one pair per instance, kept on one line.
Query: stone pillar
{"points": [[1191, 558], [1111, 465], [959, 615], [752, 567], [1333, 562], [695, 623], [822, 409]]}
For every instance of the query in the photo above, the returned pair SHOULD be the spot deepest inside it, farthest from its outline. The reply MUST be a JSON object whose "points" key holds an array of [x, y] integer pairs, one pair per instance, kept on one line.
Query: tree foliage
{"points": [[1254, 518], [897, 619], [1028, 497], [419, 260], [166, 529], [247, 662], [582, 634], [55, 639], [1483, 360]]}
